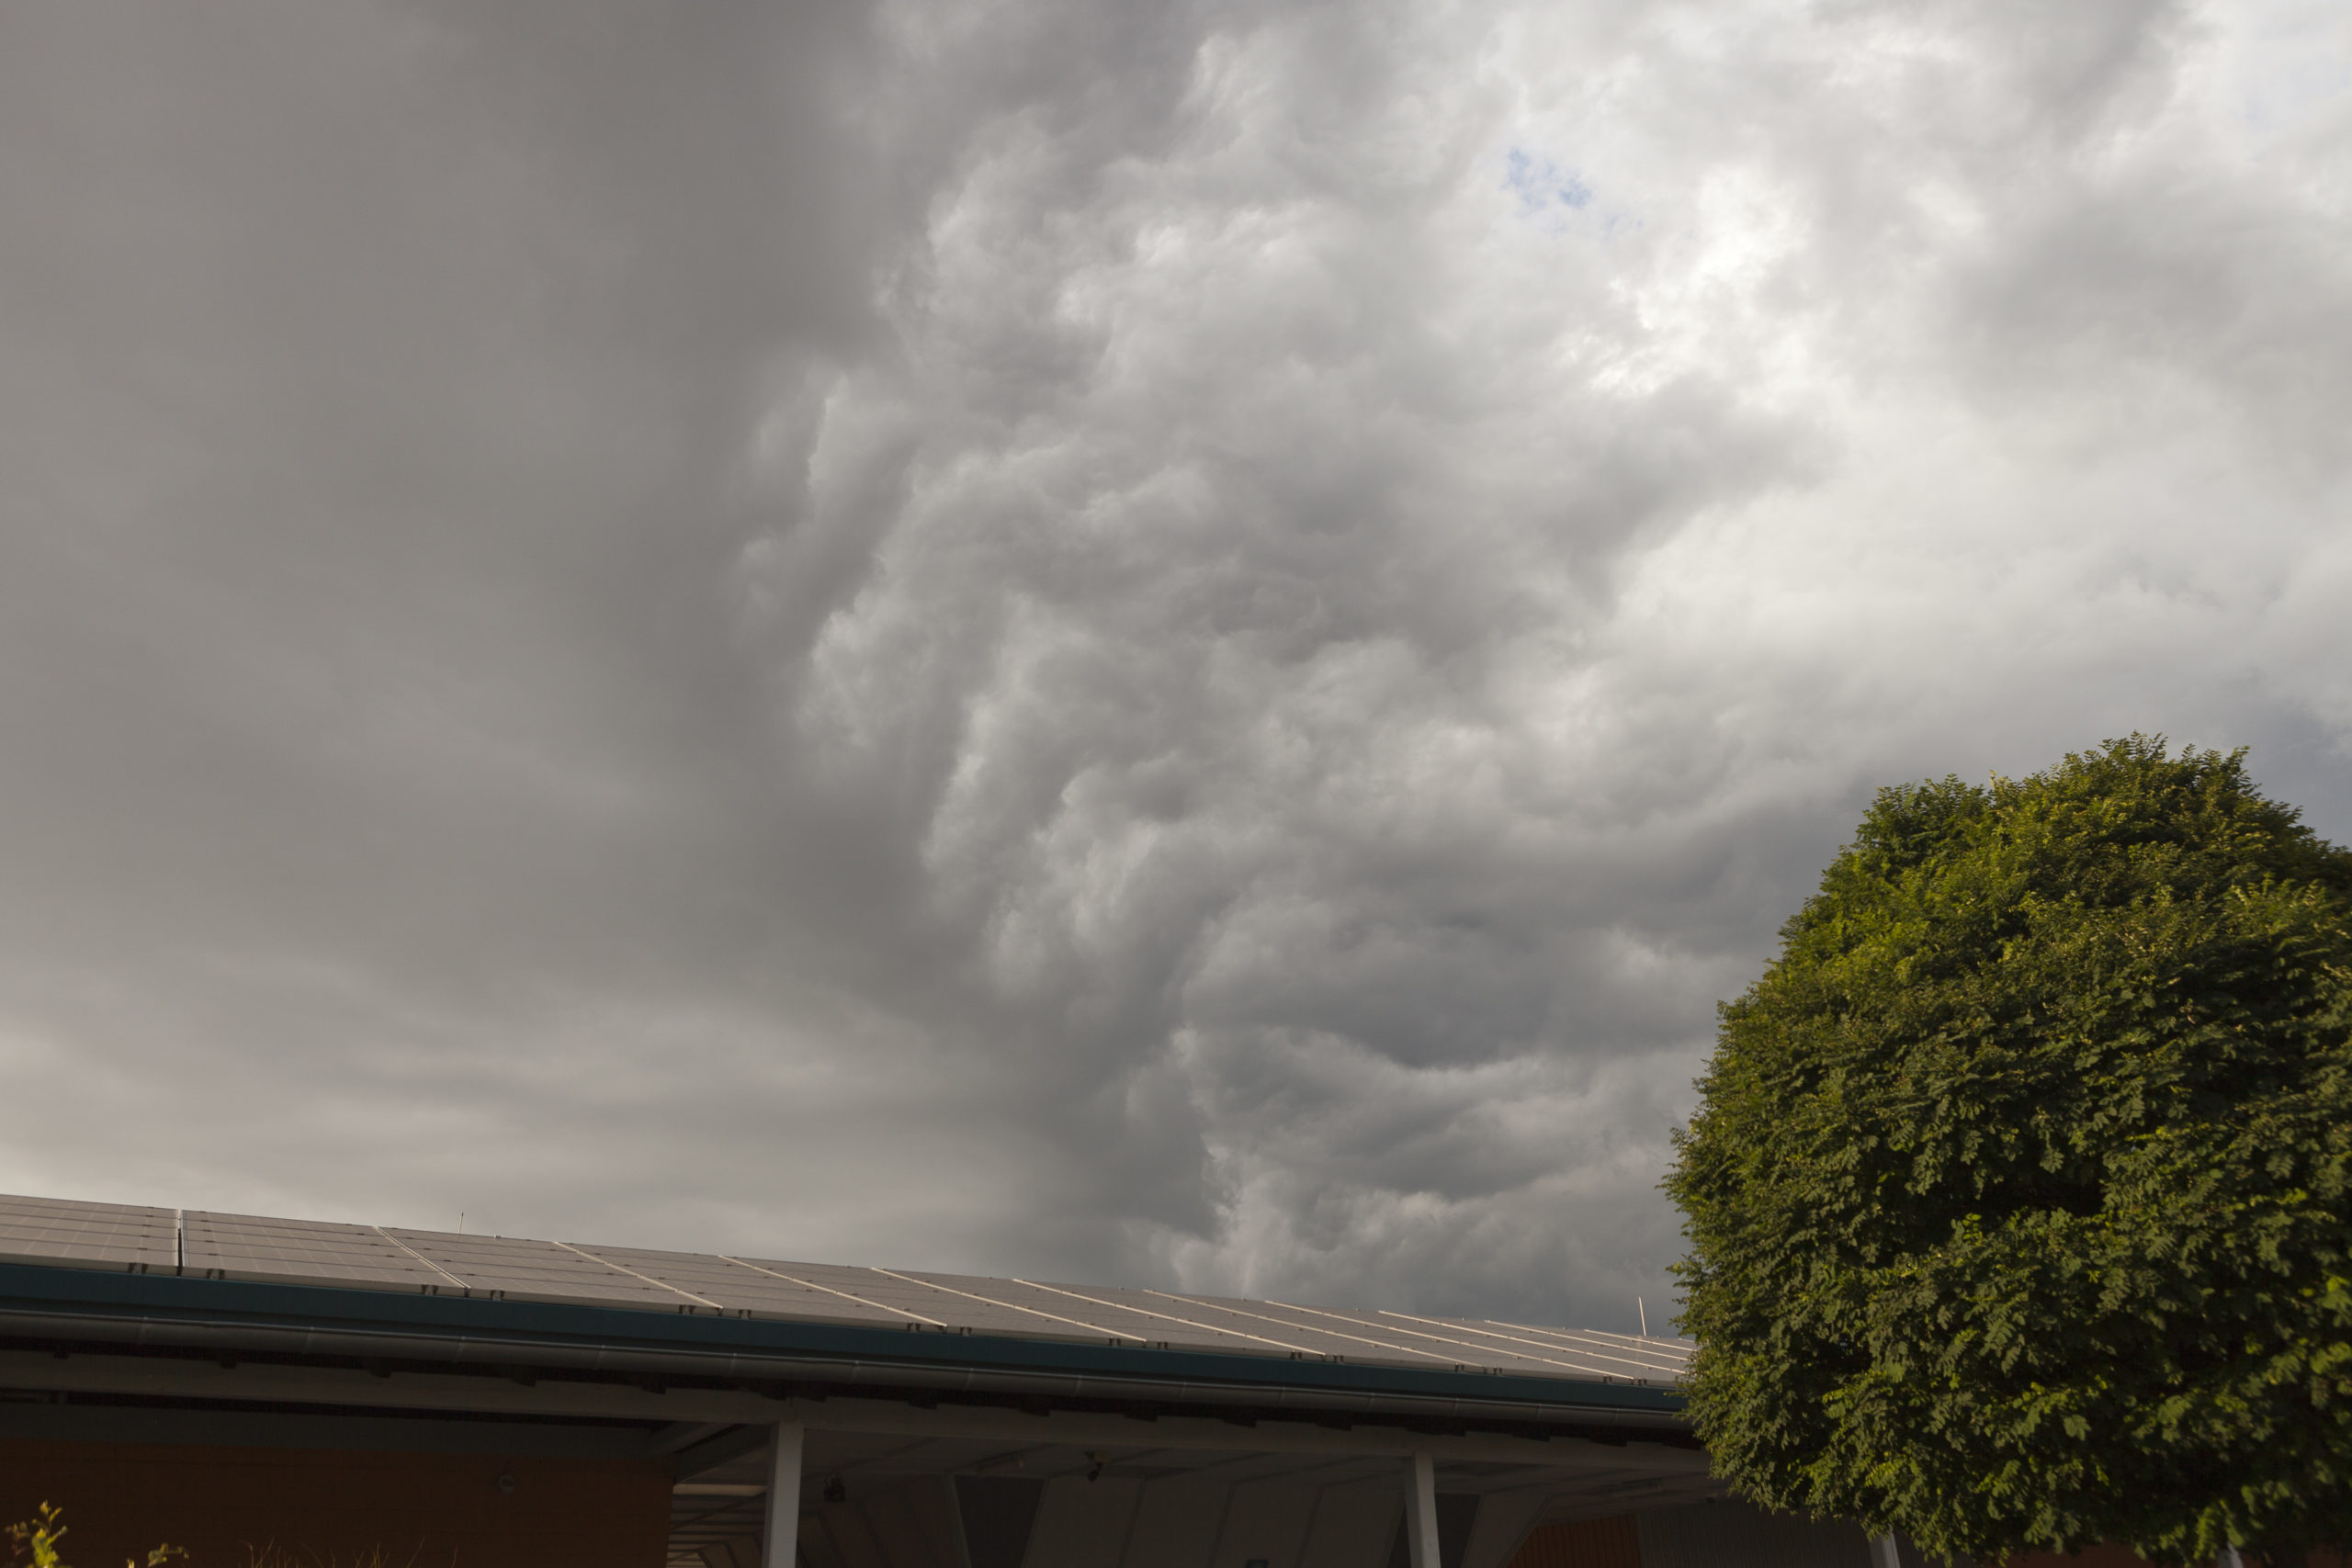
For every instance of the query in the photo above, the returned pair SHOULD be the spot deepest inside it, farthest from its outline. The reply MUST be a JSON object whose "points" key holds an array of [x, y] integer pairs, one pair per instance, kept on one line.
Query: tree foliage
{"points": [[2017, 1191]]}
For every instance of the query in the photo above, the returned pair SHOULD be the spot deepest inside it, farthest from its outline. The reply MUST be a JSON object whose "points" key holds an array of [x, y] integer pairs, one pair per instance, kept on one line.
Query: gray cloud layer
{"points": [[1181, 643]]}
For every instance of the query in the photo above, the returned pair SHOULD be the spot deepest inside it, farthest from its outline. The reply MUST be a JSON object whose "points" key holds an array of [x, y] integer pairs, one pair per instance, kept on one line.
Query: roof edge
{"points": [[167, 1314]]}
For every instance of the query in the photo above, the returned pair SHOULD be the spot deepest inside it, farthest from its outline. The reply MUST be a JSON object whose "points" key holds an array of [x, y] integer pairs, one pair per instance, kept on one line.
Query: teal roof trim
{"points": [[45, 1303]]}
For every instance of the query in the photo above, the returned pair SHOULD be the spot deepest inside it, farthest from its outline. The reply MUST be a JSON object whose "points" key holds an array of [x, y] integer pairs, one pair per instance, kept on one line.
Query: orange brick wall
{"points": [[325, 1507], [1588, 1543]]}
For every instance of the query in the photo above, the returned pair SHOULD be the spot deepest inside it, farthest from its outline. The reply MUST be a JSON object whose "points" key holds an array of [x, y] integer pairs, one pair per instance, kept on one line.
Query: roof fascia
{"points": [[166, 1313]]}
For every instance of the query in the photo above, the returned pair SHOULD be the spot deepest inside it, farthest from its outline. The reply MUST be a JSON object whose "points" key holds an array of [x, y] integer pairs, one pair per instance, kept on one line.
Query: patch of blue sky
{"points": [[2288, 64], [1541, 184]]}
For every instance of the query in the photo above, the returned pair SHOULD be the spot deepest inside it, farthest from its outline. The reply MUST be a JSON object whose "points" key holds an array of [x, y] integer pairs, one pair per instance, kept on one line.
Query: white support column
{"points": [[1421, 1512], [1501, 1525], [780, 1547], [2228, 1558], [1884, 1554]]}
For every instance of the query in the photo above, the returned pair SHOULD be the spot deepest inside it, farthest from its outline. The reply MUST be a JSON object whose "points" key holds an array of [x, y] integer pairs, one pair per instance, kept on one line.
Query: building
{"points": [[289, 1392]]}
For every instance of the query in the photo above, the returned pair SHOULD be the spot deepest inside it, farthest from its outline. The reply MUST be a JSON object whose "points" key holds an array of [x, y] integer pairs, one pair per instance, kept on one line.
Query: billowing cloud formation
{"points": [[1177, 644]]}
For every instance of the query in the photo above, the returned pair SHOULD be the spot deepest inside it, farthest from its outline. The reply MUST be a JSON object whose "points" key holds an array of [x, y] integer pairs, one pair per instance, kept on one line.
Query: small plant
{"points": [[34, 1544], [36, 1539], [275, 1556]]}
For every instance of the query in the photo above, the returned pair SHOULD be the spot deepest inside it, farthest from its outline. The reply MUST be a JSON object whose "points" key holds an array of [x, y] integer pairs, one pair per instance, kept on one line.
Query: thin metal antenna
{"points": [[1645, 1316]]}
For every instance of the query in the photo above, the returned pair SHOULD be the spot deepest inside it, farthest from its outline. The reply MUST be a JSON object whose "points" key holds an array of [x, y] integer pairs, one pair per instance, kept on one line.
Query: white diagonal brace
{"points": [[780, 1538], [1421, 1512]]}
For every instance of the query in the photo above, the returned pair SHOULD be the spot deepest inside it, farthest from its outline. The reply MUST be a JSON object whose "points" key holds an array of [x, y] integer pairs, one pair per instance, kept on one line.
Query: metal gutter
{"points": [[167, 1314]]}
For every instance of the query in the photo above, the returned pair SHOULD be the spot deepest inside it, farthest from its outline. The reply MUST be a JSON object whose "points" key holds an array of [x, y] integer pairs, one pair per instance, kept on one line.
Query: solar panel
{"points": [[1606, 1360], [61, 1231], [1144, 1325], [738, 1286], [904, 1298], [1239, 1319], [1652, 1344], [537, 1270], [1343, 1340], [253, 1246], [945, 1301], [985, 1306], [249, 1246], [1431, 1339], [1669, 1354]]}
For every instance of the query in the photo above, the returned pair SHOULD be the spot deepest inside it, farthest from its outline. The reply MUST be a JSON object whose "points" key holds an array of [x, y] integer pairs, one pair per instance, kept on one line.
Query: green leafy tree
{"points": [[2017, 1189]]}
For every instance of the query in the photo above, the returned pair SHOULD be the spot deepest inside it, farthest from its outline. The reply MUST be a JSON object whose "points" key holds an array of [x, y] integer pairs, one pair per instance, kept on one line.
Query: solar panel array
{"points": [[243, 1246]]}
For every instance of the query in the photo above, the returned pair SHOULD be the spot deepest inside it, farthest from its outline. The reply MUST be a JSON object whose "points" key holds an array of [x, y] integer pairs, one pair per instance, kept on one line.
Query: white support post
{"points": [[1501, 1525], [2228, 1558], [1421, 1512], [780, 1541], [1885, 1552]]}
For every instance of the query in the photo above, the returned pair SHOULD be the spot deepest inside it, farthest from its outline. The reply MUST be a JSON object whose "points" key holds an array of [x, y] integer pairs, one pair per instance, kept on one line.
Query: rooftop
{"points": [[200, 1243]]}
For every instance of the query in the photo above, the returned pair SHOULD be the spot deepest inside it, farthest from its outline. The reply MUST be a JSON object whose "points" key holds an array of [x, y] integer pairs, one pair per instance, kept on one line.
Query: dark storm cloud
{"points": [[1076, 637]]}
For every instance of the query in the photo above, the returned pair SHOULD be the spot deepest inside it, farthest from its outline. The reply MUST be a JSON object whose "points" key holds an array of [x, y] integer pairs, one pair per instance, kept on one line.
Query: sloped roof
{"points": [[199, 1244]]}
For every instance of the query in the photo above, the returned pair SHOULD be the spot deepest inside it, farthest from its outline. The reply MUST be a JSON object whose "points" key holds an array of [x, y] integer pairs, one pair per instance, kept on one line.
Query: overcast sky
{"points": [[1179, 644]]}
